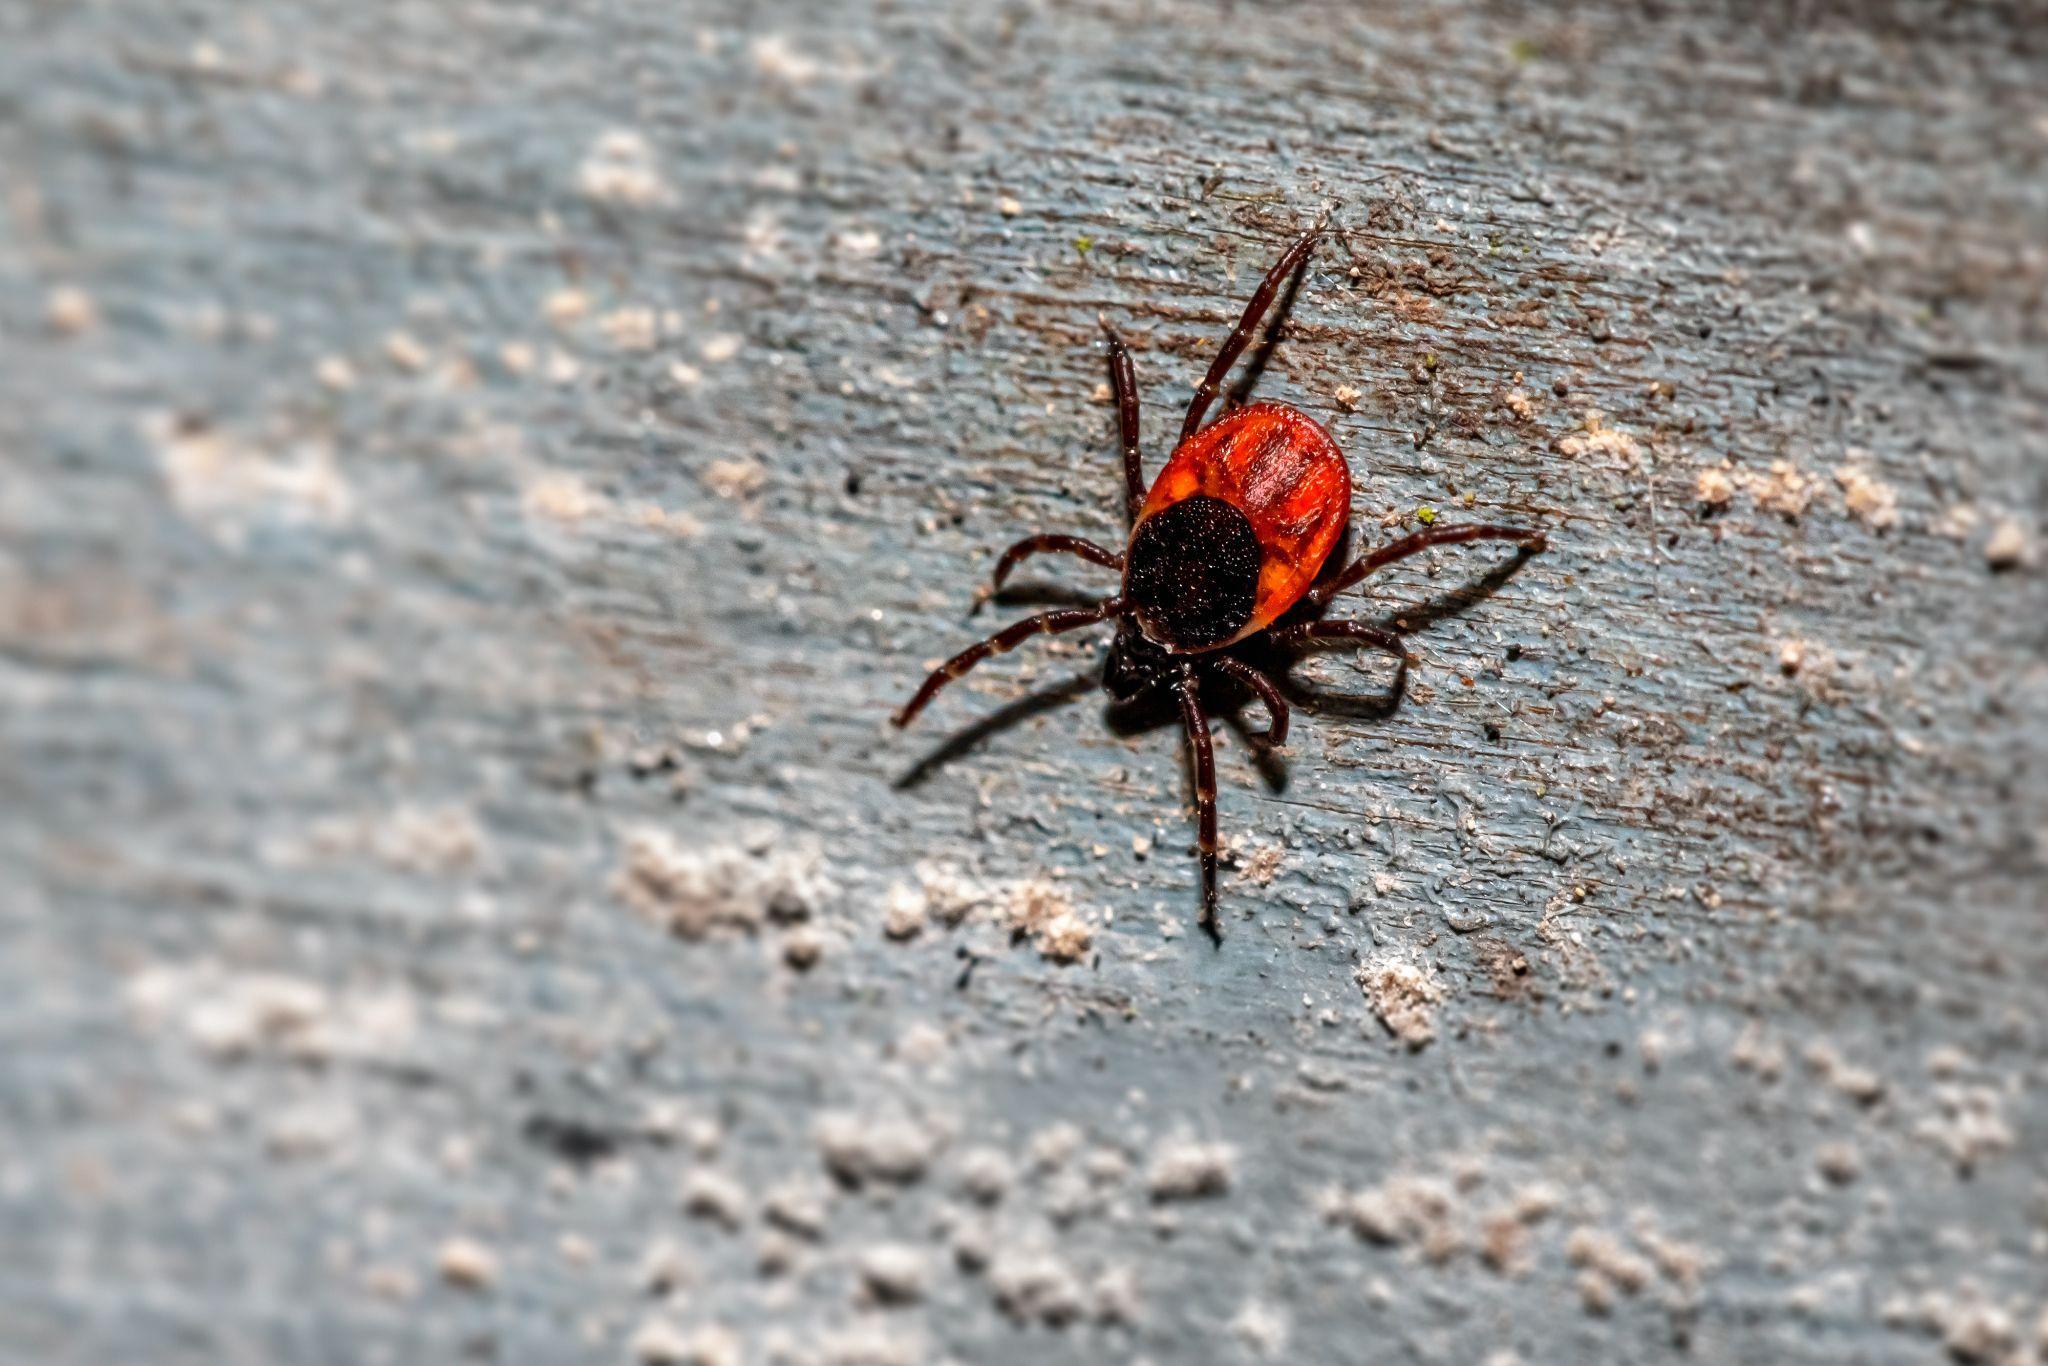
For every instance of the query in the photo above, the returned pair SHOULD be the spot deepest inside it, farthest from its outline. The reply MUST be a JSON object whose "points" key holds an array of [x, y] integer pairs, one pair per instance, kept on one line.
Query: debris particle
{"points": [[1785, 489], [1347, 397], [467, 1264], [657, 1342], [2009, 547], [1261, 1328], [562, 496], [403, 350], [1119, 1298], [1874, 502], [859, 244], [859, 1150], [1039, 910], [1009, 207], [1182, 1169], [566, 306], [1399, 1211], [662, 1268], [694, 893], [864, 1344], [903, 913], [1602, 1253], [1034, 1286], [1756, 1052], [710, 1194], [1504, 1244], [631, 329], [777, 59], [1600, 439], [227, 482], [1714, 488], [233, 1015], [923, 1044], [336, 373], [734, 478], [949, 896], [719, 347], [893, 1274], [801, 948], [1403, 996], [620, 169], [1054, 1145], [984, 1175], [1860, 1084], [1968, 1125], [69, 310], [1838, 1162], [799, 1207], [1791, 655]]}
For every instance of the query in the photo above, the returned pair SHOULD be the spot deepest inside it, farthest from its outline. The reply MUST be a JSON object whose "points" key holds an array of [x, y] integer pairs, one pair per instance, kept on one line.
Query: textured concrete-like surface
{"points": [[477, 478]]}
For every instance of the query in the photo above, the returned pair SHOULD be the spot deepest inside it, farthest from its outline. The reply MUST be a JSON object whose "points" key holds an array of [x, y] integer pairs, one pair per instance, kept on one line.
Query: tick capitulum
{"points": [[1228, 540]]}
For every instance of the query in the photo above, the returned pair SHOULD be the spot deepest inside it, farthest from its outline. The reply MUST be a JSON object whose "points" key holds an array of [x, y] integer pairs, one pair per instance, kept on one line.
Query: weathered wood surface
{"points": [[449, 449]]}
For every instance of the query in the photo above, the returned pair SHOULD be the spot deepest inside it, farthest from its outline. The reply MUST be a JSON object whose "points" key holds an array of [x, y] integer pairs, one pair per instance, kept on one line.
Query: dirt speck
{"points": [[799, 1206], [1262, 1329], [859, 1150], [467, 1264], [1598, 438], [233, 1015], [69, 311], [984, 1175], [893, 1274], [1784, 489], [1870, 499], [1839, 1162], [1602, 1255], [710, 1194], [2009, 547], [619, 168], [1040, 910], [1967, 1125], [699, 892], [1403, 996], [903, 912], [734, 479], [1031, 1285], [1400, 1211], [1183, 1169]]}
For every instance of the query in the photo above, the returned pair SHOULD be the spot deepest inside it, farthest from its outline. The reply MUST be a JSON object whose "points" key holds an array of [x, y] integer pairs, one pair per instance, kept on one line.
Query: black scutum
{"points": [[1194, 573]]}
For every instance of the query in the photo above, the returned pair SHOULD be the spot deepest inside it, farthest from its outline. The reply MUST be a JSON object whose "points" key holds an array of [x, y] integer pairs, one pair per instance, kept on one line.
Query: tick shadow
{"points": [[975, 734]]}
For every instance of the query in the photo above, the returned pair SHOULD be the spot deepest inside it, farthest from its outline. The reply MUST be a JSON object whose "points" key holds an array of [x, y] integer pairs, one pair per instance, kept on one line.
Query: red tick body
{"points": [[1227, 542], [1278, 467]]}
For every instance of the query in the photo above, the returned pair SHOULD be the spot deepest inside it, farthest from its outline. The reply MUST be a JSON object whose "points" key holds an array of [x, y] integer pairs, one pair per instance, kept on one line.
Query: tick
{"points": [[1227, 542]]}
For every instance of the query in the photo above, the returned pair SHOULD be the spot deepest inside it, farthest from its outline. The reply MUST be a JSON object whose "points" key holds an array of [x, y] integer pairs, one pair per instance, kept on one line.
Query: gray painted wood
{"points": [[453, 448]]}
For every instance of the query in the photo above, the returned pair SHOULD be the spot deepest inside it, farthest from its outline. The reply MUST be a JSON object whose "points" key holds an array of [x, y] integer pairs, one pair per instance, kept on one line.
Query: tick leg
{"points": [[1124, 381], [1262, 299], [1276, 706], [1532, 543], [1002, 642], [1053, 542], [1357, 631], [1197, 722]]}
